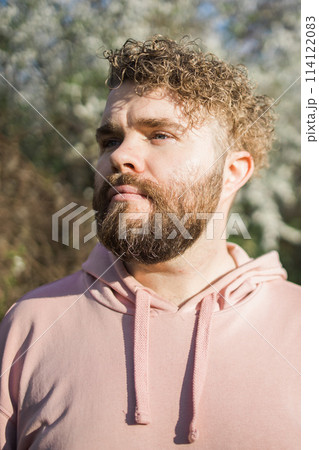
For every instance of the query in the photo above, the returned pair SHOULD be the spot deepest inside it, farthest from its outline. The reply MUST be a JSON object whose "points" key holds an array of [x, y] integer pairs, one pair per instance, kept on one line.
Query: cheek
{"points": [[194, 164], [190, 169], [103, 169], [98, 182], [178, 162], [104, 165], [201, 164]]}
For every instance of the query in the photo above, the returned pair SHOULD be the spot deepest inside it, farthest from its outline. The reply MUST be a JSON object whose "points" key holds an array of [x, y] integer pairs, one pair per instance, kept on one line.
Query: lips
{"points": [[123, 192]]}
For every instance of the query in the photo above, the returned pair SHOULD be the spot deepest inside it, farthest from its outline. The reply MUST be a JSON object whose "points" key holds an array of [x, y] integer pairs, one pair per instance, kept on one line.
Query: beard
{"points": [[151, 237]]}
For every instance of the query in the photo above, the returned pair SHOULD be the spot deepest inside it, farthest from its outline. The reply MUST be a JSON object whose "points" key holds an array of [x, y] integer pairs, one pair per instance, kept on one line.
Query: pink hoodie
{"points": [[86, 359]]}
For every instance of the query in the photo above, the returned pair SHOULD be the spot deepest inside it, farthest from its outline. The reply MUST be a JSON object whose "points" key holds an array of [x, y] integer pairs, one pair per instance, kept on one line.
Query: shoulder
{"points": [[46, 300], [68, 285], [284, 291], [280, 301]]}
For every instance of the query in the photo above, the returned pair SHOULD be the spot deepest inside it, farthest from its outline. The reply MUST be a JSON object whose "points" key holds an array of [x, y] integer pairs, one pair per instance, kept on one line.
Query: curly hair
{"points": [[203, 85]]}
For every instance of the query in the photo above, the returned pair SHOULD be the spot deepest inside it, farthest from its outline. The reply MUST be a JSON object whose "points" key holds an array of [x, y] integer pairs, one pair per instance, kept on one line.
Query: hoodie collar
{"points": [[231, 288]]}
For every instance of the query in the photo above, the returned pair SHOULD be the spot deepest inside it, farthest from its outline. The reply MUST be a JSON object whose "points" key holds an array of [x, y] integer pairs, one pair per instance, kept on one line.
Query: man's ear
{"points": [[239, 167]]}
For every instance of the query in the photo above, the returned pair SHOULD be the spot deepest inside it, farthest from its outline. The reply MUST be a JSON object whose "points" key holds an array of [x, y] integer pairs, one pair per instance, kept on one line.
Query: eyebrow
{"points": [[111, 127], [108, 127], [158, 123]]}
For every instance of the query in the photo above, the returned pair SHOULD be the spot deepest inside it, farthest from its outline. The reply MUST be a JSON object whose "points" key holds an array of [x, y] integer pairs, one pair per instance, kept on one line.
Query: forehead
{"points": [[157, 103]]}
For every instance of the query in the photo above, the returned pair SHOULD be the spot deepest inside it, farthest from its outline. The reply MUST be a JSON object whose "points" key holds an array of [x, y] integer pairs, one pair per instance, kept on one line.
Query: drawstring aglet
{"points": [[193, 435], [142, 418]]}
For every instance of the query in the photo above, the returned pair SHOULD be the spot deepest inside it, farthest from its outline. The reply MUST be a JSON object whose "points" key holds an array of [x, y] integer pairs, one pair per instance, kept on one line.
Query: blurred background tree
{"points": [[49, 53]]}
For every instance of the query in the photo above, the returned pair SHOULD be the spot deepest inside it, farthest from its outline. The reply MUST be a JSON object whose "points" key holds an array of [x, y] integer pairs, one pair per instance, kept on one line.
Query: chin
{"points": [[135, 208]]}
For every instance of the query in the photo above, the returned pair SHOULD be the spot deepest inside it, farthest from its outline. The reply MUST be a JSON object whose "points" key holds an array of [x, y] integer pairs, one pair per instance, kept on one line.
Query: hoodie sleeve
{"points": [[9, 376], [7, 431]]}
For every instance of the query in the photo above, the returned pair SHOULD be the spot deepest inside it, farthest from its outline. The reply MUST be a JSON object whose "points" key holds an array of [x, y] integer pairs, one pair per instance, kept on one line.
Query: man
{"points": [[166, 325]]}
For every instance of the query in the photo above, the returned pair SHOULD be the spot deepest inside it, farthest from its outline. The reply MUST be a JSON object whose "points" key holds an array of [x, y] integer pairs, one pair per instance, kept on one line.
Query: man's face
{"points": [[158, 164]]}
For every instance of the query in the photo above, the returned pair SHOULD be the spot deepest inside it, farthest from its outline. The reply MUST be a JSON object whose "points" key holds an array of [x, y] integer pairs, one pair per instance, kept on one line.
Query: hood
{"points": [[128, 296], [233, 287]]}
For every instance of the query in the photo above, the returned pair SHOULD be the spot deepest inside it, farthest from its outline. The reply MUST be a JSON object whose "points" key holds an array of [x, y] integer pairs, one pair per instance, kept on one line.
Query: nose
{"points": [[127, 158]]}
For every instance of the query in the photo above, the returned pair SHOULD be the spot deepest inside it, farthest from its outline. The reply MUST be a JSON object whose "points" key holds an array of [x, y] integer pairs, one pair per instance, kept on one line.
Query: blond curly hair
{"points": [[203, 84]]}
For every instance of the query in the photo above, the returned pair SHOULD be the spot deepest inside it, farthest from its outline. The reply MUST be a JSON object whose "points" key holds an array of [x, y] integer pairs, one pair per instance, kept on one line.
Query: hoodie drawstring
{"points": [[201, 357], [141, 344]]}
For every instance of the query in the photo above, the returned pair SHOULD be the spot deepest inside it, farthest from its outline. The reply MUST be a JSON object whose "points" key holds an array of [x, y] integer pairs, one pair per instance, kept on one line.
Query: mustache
{"points": [[128, 179], [149, 188], [152, 190]]}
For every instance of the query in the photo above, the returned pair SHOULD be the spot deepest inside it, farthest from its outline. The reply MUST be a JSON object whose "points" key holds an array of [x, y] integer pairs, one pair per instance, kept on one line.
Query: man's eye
{"points": [[110, 143], [161, 136]]}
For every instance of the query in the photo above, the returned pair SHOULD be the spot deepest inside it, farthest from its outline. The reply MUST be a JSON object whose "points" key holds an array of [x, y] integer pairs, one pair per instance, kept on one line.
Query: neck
{"points": [[180, 279]]}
